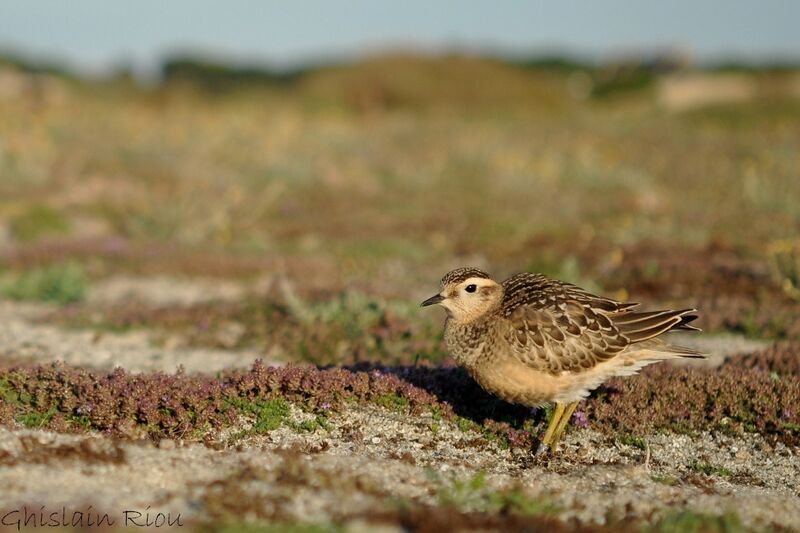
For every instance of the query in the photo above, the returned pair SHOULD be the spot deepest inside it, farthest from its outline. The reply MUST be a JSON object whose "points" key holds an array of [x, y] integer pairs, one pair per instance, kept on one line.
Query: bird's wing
{"points": [[556, 327]]}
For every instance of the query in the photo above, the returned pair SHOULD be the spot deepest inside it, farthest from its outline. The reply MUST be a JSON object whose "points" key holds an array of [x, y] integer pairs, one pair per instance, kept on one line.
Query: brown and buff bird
{"points": [[534, 340]]}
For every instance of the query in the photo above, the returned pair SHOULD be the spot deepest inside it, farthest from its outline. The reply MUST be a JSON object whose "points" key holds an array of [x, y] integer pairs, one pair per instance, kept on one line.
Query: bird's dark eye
{"points": [[471, 288]]}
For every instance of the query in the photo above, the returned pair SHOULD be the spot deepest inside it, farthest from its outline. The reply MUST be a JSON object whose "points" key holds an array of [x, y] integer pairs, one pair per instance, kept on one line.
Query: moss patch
{"points": [[268, 414]]}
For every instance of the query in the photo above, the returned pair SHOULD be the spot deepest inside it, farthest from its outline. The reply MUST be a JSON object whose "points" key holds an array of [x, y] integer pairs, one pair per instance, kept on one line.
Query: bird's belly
{"points": [[518, 383]]}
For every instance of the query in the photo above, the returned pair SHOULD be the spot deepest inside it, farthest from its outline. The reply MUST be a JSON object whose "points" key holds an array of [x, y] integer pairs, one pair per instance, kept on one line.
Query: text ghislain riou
{"points": [[30, 517]]}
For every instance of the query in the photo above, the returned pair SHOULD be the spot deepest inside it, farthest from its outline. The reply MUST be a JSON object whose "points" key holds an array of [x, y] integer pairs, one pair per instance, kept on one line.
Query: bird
{"points": [[535, 340]]}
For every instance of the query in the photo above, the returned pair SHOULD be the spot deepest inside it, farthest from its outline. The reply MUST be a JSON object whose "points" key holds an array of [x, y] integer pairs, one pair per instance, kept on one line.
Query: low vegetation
{"points": [[731, 399]]}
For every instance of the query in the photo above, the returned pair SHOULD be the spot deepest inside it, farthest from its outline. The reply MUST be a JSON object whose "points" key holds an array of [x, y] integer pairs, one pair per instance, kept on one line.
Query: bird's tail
{"points": [[643, 328], [674, 350]]}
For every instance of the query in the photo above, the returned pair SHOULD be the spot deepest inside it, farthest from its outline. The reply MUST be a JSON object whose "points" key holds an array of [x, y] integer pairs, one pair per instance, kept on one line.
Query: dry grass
{"points": [[269, 172]]}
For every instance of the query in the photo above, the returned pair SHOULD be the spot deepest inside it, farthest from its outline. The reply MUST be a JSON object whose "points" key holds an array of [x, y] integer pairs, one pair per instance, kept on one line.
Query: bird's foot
{"points": [[542, 450]]}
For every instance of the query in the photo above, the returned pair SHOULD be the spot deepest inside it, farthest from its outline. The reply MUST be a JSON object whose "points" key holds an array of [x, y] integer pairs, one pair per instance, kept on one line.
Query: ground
{"points": [[209, 303]]}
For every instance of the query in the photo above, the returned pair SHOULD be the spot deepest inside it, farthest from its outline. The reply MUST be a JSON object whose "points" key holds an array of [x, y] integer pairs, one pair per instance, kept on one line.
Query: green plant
{"points": [[268, 414], [471, 493], [476, 495], [35, 419], [692, 522], [709, 469], [750, 324], [633, 440], [516, 501], [313, 424], [664, 479], [38, 221], [62, 283], [465, 424], [391, 401]]}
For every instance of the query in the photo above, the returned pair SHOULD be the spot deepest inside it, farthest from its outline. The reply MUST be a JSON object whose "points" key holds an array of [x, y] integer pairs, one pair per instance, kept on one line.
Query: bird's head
{"points": [[467, 294]]}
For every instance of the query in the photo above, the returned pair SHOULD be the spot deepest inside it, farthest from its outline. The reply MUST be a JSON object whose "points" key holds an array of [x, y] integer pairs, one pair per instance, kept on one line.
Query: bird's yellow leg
{"points": [[551, 426], [562, 425]]}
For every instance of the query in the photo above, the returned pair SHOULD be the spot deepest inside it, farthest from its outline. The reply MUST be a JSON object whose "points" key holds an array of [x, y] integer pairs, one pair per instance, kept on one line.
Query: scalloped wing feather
{"points": [[557, 327]]}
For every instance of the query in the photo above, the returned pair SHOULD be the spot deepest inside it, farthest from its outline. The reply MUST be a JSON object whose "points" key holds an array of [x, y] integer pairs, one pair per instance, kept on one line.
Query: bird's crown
{"points": [[462, 274]]}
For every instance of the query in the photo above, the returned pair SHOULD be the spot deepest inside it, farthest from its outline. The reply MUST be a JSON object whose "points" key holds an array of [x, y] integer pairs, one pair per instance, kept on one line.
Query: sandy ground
{"points": [[370, 458], [22, 338]]}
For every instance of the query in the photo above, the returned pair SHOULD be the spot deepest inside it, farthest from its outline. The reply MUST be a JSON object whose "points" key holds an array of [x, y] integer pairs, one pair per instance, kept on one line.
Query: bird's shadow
{"points": [[453, 386]]}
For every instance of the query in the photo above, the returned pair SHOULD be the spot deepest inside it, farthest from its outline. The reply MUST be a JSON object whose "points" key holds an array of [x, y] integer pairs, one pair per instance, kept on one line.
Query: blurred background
{"points": [[337, 159]]}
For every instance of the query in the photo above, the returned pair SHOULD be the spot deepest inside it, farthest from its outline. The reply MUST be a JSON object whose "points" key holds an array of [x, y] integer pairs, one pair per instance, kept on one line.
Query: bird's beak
{"points": [[432, 300]]}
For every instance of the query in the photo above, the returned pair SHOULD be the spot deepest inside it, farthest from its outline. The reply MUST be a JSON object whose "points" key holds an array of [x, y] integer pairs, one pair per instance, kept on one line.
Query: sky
{"points": [[95, 35]]}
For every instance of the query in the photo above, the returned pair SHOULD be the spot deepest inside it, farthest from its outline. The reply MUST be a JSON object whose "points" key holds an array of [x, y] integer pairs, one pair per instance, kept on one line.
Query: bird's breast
{"points": [[466, 343]]}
